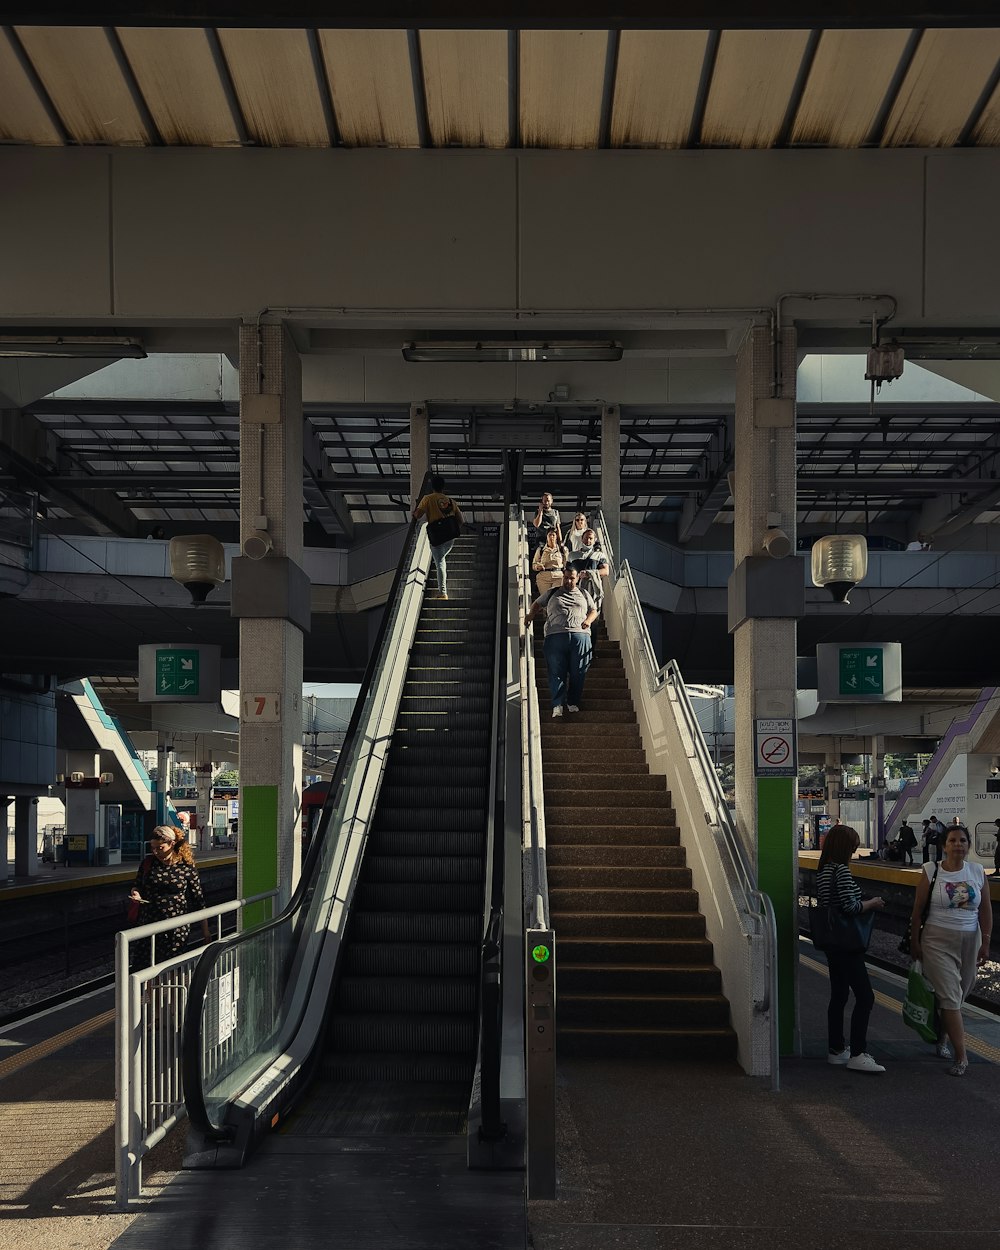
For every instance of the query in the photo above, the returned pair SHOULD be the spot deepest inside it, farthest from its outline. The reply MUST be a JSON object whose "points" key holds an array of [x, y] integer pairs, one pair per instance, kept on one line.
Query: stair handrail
{"points": [[532, 804], [754, 908], [410, 574]]}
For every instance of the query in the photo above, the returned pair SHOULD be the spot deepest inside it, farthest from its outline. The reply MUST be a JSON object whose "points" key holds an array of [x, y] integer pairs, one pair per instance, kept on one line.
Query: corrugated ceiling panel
{"points": [[275, 82], [80, 72], [656, 87], [948, 74], [23, 118], [371, 82], [755, 72], [178, 79], [847, 83], [562, 85], [987, 131], [466, 87]]}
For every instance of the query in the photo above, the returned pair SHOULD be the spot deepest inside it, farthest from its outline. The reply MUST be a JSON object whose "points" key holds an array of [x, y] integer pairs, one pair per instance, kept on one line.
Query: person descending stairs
{"points": [[636, 971]]}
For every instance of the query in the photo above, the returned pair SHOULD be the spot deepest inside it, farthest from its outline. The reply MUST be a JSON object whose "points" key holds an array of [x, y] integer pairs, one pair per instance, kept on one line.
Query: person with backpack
{"points": [[907, 840], [444, 524]]}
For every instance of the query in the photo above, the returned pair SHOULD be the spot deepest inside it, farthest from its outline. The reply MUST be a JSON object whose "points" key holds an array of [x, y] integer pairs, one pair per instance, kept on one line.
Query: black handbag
{"points": [[904, 945], [442, 531], [835, 930]]}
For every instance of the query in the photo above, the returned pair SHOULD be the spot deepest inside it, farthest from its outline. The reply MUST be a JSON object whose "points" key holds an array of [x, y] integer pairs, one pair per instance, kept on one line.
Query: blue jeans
{"points": [[567, 657], [439, 555]]}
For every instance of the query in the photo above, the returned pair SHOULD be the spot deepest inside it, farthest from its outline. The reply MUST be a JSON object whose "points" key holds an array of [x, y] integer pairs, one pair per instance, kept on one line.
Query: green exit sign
{"points": [[177, 672], [861, 671]]}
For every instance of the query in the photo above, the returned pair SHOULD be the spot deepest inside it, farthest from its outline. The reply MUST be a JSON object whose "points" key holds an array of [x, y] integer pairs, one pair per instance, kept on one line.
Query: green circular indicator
{"points": [[540, 954]]}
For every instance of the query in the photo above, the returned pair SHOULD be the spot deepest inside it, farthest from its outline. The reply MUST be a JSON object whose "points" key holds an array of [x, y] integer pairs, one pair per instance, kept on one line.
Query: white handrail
{"points": [[532, 801]]}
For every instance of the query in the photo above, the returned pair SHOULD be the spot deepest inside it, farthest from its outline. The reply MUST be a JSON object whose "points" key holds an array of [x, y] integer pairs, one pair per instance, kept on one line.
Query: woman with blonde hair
{"points": [[835, 887], [167, 885]]}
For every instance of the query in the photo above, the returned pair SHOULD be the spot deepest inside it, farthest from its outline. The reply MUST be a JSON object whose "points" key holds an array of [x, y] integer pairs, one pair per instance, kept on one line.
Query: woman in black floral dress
{"points": [[167, 885]]}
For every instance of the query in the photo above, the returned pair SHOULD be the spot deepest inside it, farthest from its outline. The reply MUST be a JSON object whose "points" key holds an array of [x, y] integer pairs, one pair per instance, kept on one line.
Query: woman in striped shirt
{"points": [[835, 886]]}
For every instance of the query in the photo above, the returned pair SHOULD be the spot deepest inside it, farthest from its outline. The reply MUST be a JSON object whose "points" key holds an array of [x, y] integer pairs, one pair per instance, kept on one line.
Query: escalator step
{"points": [[428, 896], [400, 1034], [456, 719], [410, 776], [383, 842], [433, 819], [402, 995], [427, 959], [469, 797], [392, 869], [397, 1068], [416, 926]]}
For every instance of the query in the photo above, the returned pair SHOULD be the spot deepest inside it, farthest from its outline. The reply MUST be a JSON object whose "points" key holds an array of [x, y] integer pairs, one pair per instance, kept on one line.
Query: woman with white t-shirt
{"points": [[956, 938]]}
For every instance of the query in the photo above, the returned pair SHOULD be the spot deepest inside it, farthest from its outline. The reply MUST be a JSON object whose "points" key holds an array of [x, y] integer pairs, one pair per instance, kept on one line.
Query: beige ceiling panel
{"points": [[656, 86], [949, 71], [755, 72], [562, 85], [371, 83], [466, 87], [79, 70], [179, 81], [23, 118], [275, 81], [847, 83], [987, 131]]}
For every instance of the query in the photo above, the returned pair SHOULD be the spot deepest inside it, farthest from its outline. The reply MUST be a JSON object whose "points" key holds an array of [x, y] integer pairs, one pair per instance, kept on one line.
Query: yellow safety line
{"points": [[983, 1049], [51, 1044]]}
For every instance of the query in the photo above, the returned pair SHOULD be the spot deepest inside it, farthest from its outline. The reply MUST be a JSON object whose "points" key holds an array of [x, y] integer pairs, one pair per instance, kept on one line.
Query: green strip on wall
{"points": [[258, 848], [776, 878]]}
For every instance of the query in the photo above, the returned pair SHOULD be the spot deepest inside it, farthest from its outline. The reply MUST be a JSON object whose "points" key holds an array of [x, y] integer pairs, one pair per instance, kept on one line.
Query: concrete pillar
{"points": [[765, 597], [876, 790], [162, 777], [6, 864], [833, 772], [203, 781], [26, 836], [420, 450], [611, 476], [271, 598], [83, 806]]}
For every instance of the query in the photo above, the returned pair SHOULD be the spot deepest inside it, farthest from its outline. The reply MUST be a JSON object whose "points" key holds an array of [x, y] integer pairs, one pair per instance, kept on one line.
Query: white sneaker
{"points": [[557, 711], [571, 707], [839, 1057], [864, 1063]]}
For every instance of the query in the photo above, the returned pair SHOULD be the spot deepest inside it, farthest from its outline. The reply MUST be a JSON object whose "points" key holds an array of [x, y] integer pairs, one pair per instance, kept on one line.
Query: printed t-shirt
{"points": [[956, 895]]}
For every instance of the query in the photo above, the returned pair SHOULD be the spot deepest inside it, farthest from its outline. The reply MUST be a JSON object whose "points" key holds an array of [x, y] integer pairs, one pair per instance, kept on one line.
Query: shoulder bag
{"points": [[835, 930], [904, 945], [132, 905]]}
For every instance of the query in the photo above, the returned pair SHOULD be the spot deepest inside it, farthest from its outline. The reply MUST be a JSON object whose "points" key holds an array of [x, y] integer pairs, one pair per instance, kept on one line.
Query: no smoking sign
{"points": [[774, 748]]}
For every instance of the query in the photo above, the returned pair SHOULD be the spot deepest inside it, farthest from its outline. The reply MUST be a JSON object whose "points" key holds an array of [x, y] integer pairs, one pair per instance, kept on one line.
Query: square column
{"points": [[271, 597], [25, 836], [766, 596], [611, 476], [420, 450]]}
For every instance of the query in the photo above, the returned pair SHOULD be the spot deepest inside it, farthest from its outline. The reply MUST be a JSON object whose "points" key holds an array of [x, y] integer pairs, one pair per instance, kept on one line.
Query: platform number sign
{"points": [[774, 748], [261, 709]]}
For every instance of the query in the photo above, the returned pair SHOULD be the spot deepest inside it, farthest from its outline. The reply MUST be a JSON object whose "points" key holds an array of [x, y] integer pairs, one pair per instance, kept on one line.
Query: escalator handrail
{"points": [[491, 955], [531, 757], [197, 1109]]}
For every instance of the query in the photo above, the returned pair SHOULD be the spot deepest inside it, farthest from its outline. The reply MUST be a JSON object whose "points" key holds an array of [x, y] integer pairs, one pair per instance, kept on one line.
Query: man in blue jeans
{"points": [[568, 648]]}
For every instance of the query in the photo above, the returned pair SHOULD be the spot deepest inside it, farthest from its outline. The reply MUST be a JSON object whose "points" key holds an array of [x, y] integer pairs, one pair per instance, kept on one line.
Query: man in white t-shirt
{"points": [[569, 613]]}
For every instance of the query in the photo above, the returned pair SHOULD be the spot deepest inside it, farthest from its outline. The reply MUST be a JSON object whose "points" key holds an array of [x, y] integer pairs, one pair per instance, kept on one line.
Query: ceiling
{"points": [[431, 86]]}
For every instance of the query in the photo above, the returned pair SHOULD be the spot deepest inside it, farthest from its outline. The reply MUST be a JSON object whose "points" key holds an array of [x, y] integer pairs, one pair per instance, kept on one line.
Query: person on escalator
{"points": [[444, 524]]}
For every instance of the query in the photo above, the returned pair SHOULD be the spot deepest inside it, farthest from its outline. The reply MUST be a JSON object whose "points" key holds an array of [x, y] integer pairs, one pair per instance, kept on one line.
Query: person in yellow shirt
{"points": [[444, 524]]}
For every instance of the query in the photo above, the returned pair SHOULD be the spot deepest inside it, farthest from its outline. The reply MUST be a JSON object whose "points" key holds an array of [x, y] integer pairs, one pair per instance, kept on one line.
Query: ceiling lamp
{"points": [[198, 562], [71, 346], [512, 351], [839, 562]]}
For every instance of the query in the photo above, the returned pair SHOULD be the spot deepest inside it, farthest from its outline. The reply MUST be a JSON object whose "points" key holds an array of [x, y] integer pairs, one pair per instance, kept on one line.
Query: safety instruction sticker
{"points": [[774, 748]]}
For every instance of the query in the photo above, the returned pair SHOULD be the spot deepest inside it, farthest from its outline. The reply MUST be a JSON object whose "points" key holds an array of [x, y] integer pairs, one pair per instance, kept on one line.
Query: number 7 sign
{"points": [[260, 709]]}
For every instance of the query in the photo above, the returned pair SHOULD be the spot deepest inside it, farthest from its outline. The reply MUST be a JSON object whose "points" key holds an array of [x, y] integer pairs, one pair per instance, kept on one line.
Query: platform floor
{"points": [[651, 1156]]}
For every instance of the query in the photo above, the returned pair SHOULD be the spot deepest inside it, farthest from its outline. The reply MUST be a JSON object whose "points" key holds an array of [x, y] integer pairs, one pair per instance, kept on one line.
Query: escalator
{"points": [[360, 1009]]}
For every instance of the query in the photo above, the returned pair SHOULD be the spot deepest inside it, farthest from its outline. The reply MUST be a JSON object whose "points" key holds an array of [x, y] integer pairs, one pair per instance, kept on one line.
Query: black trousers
{"points": [[847, 973]]}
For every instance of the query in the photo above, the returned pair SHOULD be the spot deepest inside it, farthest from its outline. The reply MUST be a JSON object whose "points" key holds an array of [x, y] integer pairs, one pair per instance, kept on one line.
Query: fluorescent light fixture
{"points": [[71, 346], [513, 351]]}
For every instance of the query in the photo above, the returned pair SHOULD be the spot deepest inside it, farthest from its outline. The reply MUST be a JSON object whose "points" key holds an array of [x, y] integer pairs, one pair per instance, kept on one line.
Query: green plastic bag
{"points": [[920, 1006]]}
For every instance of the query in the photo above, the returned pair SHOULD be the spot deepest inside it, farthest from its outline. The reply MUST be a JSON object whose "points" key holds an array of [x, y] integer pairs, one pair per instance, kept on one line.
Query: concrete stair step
{"points": [[575, 833], [709, 1044], [590, 715], [620, 926], [641, 1010], [602, 876], [571, 725], [612, 899], [624, 760], [615, 856], [645, 814], [621, 798], [644, 980], [595, 776], [682, 952]]}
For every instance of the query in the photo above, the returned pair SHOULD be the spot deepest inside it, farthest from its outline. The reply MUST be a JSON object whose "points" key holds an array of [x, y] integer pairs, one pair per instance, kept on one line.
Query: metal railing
{"points": [[670, 728], [150, 1007], [234, 1081]]}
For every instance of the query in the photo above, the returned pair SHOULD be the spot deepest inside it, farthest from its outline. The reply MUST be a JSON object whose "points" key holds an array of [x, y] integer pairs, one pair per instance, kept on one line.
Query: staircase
{"points": [[636, 972]]}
